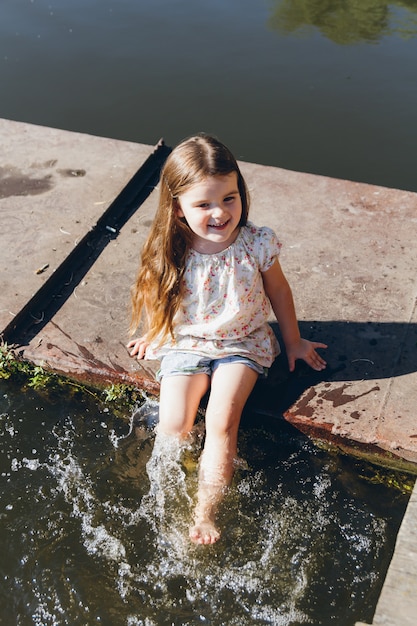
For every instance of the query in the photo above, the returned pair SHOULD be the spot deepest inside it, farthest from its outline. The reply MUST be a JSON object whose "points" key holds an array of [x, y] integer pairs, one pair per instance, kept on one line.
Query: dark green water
{"points": [[87, 536], [320, 86]]}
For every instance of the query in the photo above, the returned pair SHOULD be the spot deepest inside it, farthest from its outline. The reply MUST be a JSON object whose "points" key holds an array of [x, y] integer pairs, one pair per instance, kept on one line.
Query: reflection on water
{"points": [[88, 534], [348, 22], [140, 70]]}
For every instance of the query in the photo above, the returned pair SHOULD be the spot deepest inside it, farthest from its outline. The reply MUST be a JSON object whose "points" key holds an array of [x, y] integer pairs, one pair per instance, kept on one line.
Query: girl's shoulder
{"points": [[262, 243], [255, 230], [259, 235]]}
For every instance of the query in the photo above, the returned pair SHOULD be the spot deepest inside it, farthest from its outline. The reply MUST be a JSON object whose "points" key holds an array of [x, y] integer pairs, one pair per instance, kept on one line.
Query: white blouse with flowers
{"points": [[225, 309]]}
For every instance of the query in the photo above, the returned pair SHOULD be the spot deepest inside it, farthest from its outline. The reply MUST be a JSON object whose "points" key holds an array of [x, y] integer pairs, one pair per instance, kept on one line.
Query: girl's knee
{"points": [[179, 401]]}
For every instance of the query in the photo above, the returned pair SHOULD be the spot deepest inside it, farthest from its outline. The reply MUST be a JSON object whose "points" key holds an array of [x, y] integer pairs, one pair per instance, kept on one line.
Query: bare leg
{"points": [[231, 386], [179, 401]]}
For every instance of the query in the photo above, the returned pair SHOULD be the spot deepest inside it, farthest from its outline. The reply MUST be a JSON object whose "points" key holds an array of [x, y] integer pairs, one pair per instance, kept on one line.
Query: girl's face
{"points": [[212, 209]]}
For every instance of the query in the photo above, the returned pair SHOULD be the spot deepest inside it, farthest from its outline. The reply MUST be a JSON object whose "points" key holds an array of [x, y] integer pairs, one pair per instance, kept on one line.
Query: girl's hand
{"points": [[138, 347], [306, 350]]}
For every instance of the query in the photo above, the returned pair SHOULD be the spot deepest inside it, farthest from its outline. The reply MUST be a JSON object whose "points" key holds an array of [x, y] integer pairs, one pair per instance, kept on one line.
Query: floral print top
{"points": [[225, 309]]}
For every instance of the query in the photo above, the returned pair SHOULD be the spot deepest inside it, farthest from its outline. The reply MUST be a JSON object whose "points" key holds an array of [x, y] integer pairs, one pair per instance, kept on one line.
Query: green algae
{"points": [[122, 397]]}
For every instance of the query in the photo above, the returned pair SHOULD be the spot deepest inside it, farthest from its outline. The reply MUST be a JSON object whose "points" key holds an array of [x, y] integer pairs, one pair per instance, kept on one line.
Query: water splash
{"points": [[145, 416], [78, 491], [101, 530]]}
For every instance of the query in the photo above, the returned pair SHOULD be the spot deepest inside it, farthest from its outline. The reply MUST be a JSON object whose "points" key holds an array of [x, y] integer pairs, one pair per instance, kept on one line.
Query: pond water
{"points": [[310, 85], [92, 532], [319, 86]]}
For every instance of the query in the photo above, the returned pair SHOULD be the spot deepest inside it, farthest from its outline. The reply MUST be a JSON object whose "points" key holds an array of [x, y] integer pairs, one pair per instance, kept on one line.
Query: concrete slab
{"points": [[349, 253], [87, 336], [54, 186]]}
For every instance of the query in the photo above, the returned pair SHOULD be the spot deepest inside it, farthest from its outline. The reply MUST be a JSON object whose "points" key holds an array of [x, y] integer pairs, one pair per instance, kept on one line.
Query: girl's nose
{"points": [[217, 210]]}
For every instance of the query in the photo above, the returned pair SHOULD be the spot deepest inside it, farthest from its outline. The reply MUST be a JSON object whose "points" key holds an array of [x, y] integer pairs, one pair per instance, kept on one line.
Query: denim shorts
{"points": [[188, 363]]}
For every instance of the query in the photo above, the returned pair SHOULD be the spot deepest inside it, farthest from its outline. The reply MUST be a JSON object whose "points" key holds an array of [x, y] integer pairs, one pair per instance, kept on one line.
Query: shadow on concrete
{"points": [[356, 351], [47, 301]]}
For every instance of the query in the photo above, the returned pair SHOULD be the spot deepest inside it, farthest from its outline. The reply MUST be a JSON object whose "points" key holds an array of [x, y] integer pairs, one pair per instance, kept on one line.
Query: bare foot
{"points": [[204, 532]]}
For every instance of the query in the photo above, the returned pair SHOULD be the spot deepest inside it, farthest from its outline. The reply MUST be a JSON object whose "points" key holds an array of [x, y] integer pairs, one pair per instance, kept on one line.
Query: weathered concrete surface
{"points": [[397, 604], [349, 253], [54, 185]]}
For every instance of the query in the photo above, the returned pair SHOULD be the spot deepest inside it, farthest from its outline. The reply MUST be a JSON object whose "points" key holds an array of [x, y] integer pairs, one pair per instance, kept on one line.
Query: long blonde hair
{"points": [[157, 292]]}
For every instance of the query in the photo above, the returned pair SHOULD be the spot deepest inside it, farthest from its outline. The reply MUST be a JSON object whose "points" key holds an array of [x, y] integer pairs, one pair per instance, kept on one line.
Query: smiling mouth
{"points": [[219, 226]]}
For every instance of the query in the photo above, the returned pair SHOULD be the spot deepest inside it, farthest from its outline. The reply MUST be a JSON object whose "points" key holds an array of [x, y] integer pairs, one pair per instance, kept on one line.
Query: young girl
{"points": [[207, 281]]}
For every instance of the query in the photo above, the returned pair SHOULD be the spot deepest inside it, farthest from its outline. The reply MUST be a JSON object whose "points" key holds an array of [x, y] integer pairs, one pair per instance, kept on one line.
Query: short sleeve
{"points": [[268, 247]]}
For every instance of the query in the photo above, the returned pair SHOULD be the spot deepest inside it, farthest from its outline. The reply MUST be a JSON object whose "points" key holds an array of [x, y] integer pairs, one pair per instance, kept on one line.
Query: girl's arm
{"points": [[138, 347], [279, 293]]}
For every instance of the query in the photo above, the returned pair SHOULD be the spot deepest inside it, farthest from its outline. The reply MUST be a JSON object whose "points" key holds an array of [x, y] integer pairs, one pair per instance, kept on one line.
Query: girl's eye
{"points": [[229, 198]]}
